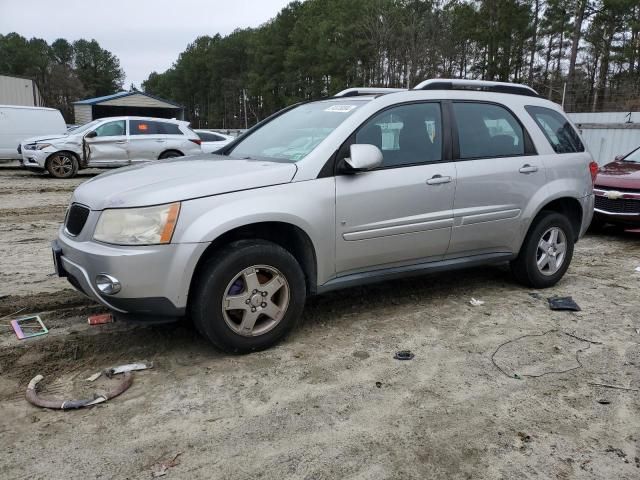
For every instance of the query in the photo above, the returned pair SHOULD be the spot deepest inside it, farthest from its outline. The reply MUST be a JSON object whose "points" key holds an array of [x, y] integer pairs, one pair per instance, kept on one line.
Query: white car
{"points": [[109, 142], [213, 141]]}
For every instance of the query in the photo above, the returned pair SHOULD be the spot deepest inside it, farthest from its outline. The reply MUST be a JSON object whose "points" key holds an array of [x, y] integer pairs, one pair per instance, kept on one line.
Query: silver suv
{"points": [[109, 142], [365, 186]]}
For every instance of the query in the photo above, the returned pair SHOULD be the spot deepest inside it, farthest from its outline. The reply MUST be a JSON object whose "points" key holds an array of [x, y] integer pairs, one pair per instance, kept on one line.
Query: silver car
{"points": [[365, 186], [109, 142]]}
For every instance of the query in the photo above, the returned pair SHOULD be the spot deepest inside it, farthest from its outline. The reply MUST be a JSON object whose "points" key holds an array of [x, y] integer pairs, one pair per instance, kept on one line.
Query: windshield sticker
{"points": [[340, 108]]}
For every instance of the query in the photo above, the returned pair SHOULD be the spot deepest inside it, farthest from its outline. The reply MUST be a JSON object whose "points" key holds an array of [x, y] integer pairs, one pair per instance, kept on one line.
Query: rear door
{"points": [[401, 212], [109, 147], [499, 173], [147, 140]]}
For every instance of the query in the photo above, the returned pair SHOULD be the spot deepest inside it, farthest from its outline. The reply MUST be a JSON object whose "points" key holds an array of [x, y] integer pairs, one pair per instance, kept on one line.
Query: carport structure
{"points": [[132, 103]]}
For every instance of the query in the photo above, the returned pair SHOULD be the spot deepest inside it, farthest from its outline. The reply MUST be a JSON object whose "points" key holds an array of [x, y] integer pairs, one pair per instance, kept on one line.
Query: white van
{"points": [[18, 123]]}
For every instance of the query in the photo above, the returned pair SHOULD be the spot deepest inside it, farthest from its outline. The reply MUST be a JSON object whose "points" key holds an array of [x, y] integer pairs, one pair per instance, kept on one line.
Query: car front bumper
{"points": [[34, 159], [154, 279]]}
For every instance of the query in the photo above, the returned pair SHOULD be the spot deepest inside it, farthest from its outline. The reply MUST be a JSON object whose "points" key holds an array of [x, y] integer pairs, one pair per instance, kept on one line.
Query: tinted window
{"points": [[111, 129], [407, 134], [486, 130], [209, 137], [144, 127], [561, 135]]}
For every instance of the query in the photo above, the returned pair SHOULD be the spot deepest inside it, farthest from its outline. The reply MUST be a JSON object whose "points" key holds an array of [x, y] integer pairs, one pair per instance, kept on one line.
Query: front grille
{"points": [[620, 205], [76, 218]]}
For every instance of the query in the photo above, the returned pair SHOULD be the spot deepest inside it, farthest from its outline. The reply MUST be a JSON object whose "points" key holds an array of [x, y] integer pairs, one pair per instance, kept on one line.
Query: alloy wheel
{"points": [[551, 251], [255, 301]]}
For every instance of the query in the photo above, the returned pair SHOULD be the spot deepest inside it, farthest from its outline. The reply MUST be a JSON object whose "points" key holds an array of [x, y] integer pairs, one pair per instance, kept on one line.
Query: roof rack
{"points": [[476, 85], [355, 92]]}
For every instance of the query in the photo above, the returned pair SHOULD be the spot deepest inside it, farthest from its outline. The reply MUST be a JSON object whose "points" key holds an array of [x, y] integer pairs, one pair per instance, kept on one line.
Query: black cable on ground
{"points": [[590, 342]]}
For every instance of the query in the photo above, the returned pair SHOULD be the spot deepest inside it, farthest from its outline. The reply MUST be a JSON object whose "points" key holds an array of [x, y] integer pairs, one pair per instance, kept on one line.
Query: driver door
{"points": [[108, 148], [402, 212]]}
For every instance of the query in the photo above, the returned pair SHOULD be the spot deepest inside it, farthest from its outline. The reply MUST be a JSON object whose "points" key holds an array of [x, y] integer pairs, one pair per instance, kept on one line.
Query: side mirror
{"points": [[92, 134], [363, 157]]}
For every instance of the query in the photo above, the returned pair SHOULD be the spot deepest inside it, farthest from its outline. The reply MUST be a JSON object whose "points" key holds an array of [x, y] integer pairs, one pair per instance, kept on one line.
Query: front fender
{"points": [[308, 205]]}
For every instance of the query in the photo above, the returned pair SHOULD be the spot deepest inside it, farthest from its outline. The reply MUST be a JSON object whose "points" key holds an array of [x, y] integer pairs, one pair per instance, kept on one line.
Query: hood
{"points": [[620, 174], [47, 138], [179, 179]]}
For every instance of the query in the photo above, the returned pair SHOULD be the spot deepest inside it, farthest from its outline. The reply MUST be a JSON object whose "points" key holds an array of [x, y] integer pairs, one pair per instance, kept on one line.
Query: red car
{"points": [[617, 192]]}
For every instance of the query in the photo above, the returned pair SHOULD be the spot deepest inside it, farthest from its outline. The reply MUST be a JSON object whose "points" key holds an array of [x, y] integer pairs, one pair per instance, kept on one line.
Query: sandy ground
{"points": [[330, 402]]}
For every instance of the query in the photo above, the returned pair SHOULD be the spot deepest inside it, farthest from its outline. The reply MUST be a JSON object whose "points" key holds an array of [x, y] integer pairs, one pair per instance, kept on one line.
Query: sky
{"points": [[146, 35]]}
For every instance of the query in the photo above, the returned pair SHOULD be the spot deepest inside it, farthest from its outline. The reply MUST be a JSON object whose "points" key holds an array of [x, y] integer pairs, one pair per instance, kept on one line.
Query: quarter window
{"points": [[559, 132], [407, 134], [486, 130], [111, 129]]}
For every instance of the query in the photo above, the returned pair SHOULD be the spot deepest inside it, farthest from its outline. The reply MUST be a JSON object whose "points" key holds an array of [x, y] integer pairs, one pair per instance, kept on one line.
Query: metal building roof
{"points": [[106, 98]]}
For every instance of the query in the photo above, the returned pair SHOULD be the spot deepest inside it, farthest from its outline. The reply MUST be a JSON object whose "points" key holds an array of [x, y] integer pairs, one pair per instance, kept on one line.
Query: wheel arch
{"points": [[290, 237], [58, 152], [169, 150], [567, 206]]}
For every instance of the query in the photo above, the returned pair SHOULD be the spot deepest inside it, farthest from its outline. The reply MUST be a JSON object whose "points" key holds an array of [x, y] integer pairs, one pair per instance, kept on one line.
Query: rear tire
{"points": [[170, 154], [62, 165], [266, 284], [543, 261]]}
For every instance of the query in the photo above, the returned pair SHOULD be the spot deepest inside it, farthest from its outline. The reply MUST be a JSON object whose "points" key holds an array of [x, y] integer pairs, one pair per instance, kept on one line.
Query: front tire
{"points": [[546, 252], [248, 296], [62, 165]]}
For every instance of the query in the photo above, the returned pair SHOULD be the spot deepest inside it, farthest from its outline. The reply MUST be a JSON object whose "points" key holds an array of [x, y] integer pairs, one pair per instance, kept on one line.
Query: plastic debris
{"points": [[563, 303], [163, 467], [28, 327], [110, 372], [476, 303]]}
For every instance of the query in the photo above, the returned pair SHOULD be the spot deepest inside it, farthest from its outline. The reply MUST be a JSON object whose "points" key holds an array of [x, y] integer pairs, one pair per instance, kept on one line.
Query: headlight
{"points": [[138, 226], [37, 146]]}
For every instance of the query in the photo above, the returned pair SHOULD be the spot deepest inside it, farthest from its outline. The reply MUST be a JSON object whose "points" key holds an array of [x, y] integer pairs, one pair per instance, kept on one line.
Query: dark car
{"points": [[617, 192]]}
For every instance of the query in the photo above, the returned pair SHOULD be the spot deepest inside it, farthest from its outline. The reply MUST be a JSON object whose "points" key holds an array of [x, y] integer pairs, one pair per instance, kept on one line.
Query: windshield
{"points": [[293, 135], [633, 156], [85, 127]]}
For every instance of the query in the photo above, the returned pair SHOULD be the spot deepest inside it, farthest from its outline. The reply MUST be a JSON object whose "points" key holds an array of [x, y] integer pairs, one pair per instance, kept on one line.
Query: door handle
{"points": [[160, 141], [120, 142], [526, 168], [438, 179]]}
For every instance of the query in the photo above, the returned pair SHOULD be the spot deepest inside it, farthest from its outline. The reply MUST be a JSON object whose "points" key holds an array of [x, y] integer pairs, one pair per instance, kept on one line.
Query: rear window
{"points": [[559, 132], [209, 137]]}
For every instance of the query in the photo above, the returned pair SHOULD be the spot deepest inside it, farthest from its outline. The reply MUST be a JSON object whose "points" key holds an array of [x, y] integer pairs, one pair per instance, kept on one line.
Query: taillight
{"points": [[197, 141], [593, 169]]}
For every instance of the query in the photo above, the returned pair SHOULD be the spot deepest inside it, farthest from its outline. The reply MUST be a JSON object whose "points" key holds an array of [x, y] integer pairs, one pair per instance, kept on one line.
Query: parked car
{"points": [[617, 192], [435, 178], [213, 141], [18, 123], [109, 142]]}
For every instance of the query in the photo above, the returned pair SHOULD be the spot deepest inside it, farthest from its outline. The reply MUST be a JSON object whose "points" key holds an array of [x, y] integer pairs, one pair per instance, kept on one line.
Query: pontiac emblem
{"points": [[613, 195]]}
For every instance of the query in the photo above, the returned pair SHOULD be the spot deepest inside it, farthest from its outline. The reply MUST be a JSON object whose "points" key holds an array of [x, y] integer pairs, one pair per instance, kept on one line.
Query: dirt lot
{"points": [[330, 402]]}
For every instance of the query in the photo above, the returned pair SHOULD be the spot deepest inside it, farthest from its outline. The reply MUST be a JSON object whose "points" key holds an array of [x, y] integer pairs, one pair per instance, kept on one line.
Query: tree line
{"points": [[65, 72], [585, 50]]}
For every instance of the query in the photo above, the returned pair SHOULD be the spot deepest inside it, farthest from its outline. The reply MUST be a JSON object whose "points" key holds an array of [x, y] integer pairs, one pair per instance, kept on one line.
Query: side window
{"points": [[169, 128], [407, 134], [111, 129], [144, 127], [486, 130], [559, 132]]}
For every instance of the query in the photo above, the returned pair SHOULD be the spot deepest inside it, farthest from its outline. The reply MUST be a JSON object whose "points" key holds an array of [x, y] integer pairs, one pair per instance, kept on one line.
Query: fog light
{"points": [[107, 284]]}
